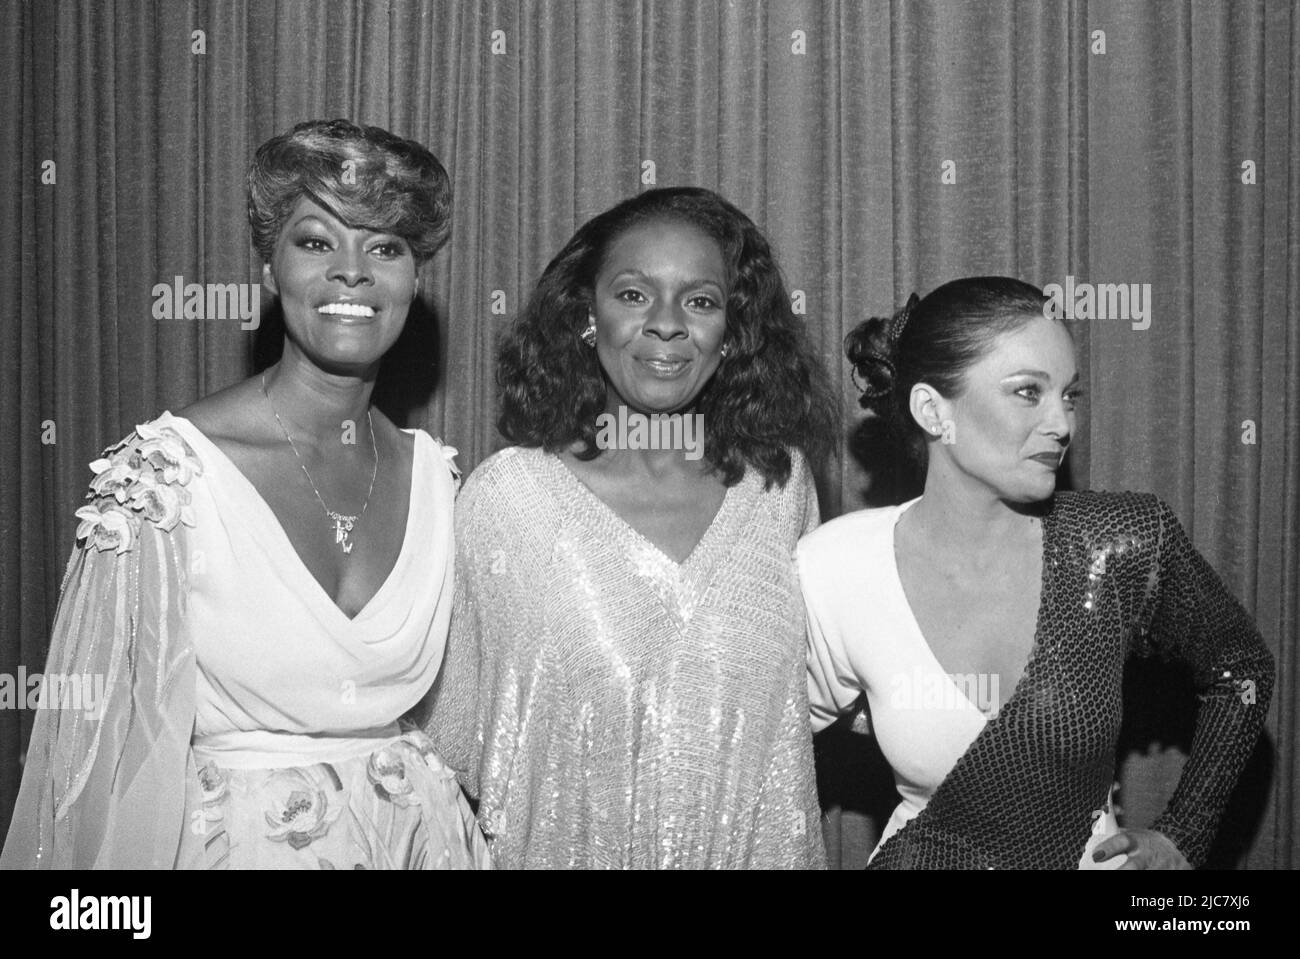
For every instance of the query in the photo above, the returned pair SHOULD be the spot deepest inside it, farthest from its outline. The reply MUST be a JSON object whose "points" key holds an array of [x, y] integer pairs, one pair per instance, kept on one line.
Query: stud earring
{"points": [[589, 335]]}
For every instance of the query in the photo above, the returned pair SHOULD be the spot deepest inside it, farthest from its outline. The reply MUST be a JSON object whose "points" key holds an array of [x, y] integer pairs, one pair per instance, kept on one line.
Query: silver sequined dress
{"points": [[610, 708]]}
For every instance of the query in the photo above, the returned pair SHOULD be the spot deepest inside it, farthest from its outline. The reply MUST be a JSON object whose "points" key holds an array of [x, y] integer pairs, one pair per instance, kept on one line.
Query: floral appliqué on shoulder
{"points": [[141, 478]]}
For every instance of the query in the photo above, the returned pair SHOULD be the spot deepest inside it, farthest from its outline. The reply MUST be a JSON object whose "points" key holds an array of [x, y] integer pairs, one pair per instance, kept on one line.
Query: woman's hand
{"points": [[1146, 848]]}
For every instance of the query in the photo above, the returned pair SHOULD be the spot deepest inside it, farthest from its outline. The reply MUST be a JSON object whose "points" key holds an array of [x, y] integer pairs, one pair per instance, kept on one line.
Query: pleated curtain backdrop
{"points": [[885, 147]]}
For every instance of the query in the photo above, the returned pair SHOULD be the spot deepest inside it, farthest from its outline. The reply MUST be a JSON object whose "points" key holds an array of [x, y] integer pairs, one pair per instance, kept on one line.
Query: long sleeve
{"points": [[1194, 619], [478, 705], [105, 777], [803, 475], [454, 702], [452, 721]]}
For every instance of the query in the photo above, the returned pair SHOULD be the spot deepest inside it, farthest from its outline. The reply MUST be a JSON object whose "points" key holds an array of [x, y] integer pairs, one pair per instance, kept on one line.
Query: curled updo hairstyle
{"points": [[769, 394], [932, 340], [365, 176]]}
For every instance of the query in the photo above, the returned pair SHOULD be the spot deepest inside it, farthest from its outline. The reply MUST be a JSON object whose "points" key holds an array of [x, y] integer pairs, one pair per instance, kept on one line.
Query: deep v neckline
{"points": [[608, 517], [1035, 648], [270, 522]]}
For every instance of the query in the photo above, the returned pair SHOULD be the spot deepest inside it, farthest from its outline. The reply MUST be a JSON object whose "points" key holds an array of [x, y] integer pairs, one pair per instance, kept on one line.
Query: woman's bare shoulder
{"points": [[229, 415], [392, 439]]}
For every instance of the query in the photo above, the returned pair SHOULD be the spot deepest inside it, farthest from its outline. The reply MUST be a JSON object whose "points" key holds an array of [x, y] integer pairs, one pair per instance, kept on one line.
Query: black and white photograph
{"points": [[688, 435]]}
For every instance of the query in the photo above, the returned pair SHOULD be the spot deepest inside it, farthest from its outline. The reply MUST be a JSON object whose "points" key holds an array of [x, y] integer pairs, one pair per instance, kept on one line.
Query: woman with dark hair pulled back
{"points": [[988, 621]]}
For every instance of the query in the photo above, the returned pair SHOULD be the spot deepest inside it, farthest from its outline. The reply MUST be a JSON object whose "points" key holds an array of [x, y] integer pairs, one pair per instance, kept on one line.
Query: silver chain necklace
{"points": [[343, 525]]}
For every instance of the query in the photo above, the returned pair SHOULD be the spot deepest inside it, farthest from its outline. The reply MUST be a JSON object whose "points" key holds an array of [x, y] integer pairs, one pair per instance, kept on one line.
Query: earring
{"points": [[589, 335], [726, 348]]}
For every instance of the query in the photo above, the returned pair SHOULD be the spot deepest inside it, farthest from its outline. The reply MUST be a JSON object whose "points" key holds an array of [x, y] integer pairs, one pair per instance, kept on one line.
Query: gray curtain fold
{"points": [[835, 124]]}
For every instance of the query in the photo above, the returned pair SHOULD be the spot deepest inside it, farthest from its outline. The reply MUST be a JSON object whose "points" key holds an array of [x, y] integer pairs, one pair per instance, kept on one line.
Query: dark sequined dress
{"points": [[1120, 579]]}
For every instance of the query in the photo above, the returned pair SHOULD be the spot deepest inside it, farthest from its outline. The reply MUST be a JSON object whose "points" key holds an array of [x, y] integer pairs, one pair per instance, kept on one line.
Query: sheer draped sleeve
{"points": [[1194, 619], [104, 787]]}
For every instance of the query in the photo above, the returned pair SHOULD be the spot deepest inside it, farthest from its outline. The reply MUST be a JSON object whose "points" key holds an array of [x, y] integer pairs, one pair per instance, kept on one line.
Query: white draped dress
{"points": [[248, 721]]}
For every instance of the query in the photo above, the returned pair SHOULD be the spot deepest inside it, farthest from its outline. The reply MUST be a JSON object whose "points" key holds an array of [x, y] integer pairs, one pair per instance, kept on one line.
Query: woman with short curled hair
{"points": [[265, 580], [988, 621], [361, 174], [624, 681]]}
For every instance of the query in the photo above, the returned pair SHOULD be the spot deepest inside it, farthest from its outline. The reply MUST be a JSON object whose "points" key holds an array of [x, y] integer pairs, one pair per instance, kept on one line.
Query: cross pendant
{"points": [[342, 527]]}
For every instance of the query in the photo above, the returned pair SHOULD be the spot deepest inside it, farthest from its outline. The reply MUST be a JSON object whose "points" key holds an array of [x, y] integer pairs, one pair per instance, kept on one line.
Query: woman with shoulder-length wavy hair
{"points": [[624, 684]]}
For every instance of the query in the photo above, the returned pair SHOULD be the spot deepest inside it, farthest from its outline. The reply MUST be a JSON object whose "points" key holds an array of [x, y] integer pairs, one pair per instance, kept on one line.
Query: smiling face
{"points": [[1010, 427], [345, 292], [659, 305]]}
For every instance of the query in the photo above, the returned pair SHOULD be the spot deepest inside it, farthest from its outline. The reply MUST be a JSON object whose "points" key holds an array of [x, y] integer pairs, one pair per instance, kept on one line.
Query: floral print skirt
{"points": [[399, 807]]}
